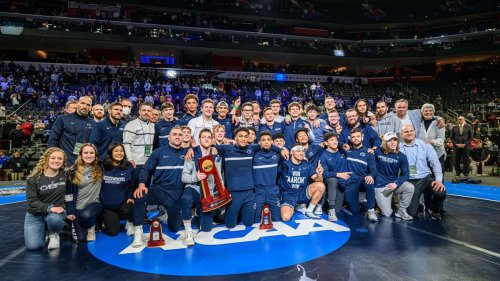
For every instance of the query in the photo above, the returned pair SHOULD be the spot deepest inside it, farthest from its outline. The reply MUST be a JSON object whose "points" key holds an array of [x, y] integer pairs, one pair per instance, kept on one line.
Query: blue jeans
{"points": [[36, 225]]}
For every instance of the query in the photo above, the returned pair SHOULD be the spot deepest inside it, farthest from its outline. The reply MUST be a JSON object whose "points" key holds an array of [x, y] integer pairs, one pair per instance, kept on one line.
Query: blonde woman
{"points": [[45, 191], [82, 194]]}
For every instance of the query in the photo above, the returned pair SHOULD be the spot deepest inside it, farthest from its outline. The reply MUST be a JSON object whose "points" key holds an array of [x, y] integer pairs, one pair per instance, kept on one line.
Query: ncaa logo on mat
{"points": [[225, 251]]}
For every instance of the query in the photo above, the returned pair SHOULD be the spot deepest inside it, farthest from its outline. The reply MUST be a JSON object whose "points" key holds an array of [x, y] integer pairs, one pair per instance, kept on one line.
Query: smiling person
{"points": [[204, 121], [45, 191], [98, 112], [109, 130], [116, 190], [430, 132], [82, 193]]}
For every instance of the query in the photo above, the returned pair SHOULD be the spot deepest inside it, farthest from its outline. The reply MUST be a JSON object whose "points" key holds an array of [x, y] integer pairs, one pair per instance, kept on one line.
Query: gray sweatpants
{"points": [[335, 196], [384, 203]]}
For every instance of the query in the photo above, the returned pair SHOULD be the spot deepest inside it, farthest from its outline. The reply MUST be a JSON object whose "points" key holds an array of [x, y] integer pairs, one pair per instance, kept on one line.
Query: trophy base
{"points": [[266, 226], [210, 205], [159, 243]]}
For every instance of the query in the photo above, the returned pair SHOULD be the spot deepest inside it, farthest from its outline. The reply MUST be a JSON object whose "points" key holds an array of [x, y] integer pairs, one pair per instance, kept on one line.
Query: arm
{"points": [[128, 137], [433, 159], [69, 198], [440, 135], [55, 133], [189, 172], [94, 134], [452, 137], [405, 171], [148, 168]]}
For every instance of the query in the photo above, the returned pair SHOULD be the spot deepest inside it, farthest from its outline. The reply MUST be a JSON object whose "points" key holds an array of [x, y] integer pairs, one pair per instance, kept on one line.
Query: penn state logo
{"points": [[224, 251], [362, 154], [249, 151], [274, 157]]}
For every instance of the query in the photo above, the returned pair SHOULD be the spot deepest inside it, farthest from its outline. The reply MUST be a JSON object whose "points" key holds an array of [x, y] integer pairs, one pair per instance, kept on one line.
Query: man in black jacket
{"points": [[17, 166], [461, 136]]}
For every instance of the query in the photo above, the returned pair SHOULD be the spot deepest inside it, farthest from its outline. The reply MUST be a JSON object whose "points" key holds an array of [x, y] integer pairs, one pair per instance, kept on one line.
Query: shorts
{"points": [[292, 199]]}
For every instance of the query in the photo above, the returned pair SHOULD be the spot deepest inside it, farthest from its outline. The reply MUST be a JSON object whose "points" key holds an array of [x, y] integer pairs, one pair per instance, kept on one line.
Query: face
{"points": [[88, 154], [381, 109], [329, 104], [461, 120], [401, 109], [408, 133], [17, 154], [256, 108], [155, 116], [298, 154], [294, 111], [373, 120], [71, 108], [276, 108], [312, 114], [186, 135], [126, 107], [251, 137], [191, 105], [356, 139], [98, 111], [219, 134], [176, 137], [333, 118], [269, 115], [56, 160], [392, 144], [241, 138], [206, 139], [118, 153], [84, 106], [115, 112], [351, 118], [333, 143], [428, 113], [361, 107], [207, 109], [302, 138], [222, 110], [247, 111], [146, 112], [168, 113], [279, 143], [265, 142]]}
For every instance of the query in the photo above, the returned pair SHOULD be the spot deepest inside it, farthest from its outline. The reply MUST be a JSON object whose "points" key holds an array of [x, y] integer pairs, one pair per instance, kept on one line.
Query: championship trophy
{"points": [[212, 198], [155, 234], [265, 218]]}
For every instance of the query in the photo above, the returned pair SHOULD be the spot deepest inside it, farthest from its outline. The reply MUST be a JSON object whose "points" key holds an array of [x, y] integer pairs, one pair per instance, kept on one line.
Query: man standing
{"points": [[191, 104], [225, 118], [330, 107], [204, 121], [270, 124], [461, 136], [108, 131], [163, 127], [419, 154], [98, 112], [370, 139], [126, 110], [71, 131], [386, 121]]}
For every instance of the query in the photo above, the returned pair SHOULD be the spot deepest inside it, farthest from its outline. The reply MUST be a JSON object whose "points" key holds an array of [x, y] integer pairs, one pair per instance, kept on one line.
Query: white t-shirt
{"points": [[197, 124]]}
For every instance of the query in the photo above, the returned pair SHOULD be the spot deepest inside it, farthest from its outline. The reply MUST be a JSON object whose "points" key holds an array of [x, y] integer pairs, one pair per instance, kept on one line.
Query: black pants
{"points": [[111, 217], [432, 198], [461, 156]]}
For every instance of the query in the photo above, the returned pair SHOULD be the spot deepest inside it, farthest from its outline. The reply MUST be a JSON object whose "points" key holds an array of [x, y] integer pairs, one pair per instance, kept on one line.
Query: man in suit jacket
{"points": [[461, 136]]}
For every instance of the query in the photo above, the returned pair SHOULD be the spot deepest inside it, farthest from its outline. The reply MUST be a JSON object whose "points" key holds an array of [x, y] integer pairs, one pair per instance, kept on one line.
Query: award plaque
{"points": [[155, 234], [214, 194], [265, 218]]}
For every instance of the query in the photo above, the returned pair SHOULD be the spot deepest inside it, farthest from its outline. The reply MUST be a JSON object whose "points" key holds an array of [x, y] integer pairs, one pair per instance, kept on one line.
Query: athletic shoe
{"points": [[401, 213], [54, 241], [301, 208], [318, 210], [189, 238], [312, 215], [434, 216], [73, 232], [129, 227], [372, 216], [332, 216], [138, 237], [91, 234]]}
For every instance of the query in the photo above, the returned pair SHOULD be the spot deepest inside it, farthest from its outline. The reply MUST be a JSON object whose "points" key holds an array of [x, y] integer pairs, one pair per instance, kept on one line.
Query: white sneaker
{"points": [[301, 208], [312, 215], [372, 216], [54, 241], [138, 237], [91, 234], [163, 218], [189, 238], [401, 213], [318, 210], [129, 227], [332, 216]]}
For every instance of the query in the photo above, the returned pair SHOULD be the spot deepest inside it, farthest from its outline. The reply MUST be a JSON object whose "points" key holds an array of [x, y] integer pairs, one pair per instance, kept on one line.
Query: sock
{"points": [[187, 225], [137, 227], [311, 207], [332, 210], [371, 210]]}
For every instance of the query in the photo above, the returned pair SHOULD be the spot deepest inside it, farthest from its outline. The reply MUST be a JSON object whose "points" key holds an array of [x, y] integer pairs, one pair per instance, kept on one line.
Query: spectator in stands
{"points": [[479, 155], [430, 133], [109, 131], [3, 112], [420, 155], [45, 192], [386, 121], [70, 107], [461, 136], [17, 166], [4, 158], [98, 112], [126, 110], [27, 128], [39, 131], [15, 99], [16, 136], [71, 131], [82, 193]]}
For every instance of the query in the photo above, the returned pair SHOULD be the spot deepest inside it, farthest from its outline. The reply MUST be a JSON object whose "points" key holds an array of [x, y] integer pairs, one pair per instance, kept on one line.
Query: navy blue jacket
{"points": [[165, 165], [313, 153], [391, 167], [187, 117], [291, 129], [265, 168], [105, 133], [68, 130], [116, 187], [333, 163], [228, 124], [278, 127], [370, 136], [361, 163], [162, 130]]}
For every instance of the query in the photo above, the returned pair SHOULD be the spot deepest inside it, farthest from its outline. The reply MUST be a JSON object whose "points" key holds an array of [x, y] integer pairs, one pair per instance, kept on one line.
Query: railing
{"points": [[21, 108]]}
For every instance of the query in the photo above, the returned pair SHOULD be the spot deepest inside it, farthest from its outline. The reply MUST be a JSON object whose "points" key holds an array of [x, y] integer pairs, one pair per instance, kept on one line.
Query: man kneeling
{"points": [[295, 178]]}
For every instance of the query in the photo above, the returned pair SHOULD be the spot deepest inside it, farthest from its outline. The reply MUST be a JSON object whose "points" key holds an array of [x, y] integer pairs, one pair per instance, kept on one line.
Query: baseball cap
{"points": [[389, 136], [222, 103]]}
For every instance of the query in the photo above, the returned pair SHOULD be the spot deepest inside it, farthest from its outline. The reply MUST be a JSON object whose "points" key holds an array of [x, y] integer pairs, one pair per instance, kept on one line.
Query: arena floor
{"points": [[463, 246]]}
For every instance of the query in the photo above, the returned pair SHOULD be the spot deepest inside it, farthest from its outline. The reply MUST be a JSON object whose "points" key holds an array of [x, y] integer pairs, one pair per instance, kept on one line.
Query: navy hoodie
{"points": [[265, 168], [162, 130], [391, 167], [370, 136], [116, 187], [361, 163], [105, 133]]}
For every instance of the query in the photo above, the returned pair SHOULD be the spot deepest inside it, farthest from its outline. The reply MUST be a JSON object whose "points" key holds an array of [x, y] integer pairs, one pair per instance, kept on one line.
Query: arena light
{"points": [[339, 53], [171, 73], [11, 30], [281, 77]]}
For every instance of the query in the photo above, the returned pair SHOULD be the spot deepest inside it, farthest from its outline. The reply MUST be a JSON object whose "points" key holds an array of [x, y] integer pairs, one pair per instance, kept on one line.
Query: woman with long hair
{"points": [[82, 194], [45, 191], [116, 190]]}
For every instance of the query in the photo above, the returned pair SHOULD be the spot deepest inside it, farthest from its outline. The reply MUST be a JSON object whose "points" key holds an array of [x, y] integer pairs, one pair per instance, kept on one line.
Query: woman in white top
{"points": [[430, 133]]}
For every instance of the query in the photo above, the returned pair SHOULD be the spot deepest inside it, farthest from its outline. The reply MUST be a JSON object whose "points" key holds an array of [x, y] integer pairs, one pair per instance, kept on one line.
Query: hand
{"points": [[201, 176], [133, 163], [371, 150], [58, 210], [130, 201], [391, 186], [237, 102], [369, 180], [140, 191], [338, 129], [285, 153], [316, 123], [189, 155], [327, 127], [346, 146], [307, 127], [214, 151], [344, 175], [427, 141], [288, 120], [319, 169], [366, 120], [438, 186], [235, 120], [440, 123], [71, 217]]}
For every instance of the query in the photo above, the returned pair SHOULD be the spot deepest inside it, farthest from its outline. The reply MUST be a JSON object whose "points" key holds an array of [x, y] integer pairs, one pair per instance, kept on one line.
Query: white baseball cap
{"points": [[389, 136]]}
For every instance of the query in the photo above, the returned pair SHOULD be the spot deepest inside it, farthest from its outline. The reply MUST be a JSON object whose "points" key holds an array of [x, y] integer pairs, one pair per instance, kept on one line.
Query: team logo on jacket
{"points": [[362, 154], [225, 251]]}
